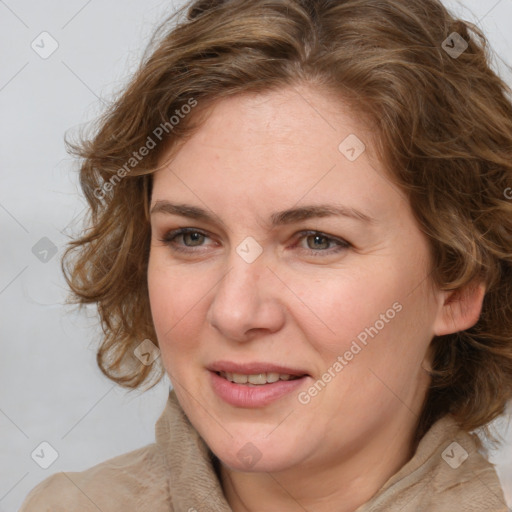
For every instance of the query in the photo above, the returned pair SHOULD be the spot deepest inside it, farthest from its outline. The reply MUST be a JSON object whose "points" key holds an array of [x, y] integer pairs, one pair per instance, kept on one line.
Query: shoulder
{"points": [[447, 473], [462, 475], [132, 481]]}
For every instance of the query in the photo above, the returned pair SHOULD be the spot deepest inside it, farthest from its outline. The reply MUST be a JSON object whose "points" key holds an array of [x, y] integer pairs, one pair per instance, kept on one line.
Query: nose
{"points": [[247, 301]]}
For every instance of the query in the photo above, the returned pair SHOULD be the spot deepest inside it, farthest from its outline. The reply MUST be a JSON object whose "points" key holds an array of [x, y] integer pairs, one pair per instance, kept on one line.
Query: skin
{"points": [[299, 303]]}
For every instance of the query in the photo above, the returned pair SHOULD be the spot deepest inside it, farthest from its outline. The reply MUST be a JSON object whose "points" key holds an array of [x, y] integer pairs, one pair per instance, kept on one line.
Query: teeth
{"points": [[261, 378], [271, 377], [238, 378], [256, 379]]}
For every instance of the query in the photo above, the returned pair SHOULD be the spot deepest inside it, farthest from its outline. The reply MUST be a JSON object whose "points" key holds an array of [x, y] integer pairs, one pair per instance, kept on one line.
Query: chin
{"points": [[253, 457]]}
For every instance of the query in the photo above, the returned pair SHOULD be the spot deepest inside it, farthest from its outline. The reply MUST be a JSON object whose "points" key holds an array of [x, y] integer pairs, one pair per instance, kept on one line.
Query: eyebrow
{"points": [[283, 217]]}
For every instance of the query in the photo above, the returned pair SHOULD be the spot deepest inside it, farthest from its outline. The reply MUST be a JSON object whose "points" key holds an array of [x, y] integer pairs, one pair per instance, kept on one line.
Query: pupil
{"points": [[194, 236], [318, 237]]}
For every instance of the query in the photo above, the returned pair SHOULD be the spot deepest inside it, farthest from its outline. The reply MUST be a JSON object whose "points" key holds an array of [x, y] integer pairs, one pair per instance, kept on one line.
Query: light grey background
{"points": [[50, 387]]}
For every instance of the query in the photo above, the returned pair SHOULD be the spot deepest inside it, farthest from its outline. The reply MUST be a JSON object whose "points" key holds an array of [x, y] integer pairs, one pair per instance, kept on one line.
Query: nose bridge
{"points": [[247, 264], [245, 298], [239, 290]]}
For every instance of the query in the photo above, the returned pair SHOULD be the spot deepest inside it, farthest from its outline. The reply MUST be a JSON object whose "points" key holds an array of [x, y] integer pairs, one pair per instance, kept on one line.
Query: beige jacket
{"points": [[176, 474]]}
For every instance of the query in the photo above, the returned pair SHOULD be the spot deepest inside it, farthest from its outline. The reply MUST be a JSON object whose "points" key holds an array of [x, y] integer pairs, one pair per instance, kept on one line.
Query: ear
{"points": [[459, 309]]}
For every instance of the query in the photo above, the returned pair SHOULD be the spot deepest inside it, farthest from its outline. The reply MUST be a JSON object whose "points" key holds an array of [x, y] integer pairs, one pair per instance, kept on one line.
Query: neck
{"points": [[342, 484]]}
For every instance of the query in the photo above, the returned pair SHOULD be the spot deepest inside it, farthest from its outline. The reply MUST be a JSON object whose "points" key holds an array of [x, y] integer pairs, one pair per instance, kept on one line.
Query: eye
{"points": [[194, 238], [319, 240], [194, 235]]}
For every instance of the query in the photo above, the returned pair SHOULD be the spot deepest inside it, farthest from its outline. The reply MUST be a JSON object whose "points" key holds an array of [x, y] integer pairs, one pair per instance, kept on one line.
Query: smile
{"points": [[257, 379], [255, 390]]}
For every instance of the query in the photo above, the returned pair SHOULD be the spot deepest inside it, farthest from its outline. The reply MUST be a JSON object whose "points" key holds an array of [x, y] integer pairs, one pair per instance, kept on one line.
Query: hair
{"points": [[443, 129]]}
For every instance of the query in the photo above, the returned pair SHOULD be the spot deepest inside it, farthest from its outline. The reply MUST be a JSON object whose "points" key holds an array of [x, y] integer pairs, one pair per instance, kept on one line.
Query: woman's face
{"points": [[341, 301]]}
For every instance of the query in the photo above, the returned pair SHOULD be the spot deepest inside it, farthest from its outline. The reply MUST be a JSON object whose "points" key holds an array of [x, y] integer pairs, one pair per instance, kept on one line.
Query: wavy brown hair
{"points": [[443, 126]]}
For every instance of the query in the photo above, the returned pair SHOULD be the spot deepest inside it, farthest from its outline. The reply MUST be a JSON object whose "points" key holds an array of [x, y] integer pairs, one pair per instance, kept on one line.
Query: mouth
{"points": [[257, 379], [254, 385]]}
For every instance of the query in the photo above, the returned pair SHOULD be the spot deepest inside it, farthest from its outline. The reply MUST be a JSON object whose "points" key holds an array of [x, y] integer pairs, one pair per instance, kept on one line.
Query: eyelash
{"points": [[169, 238]]}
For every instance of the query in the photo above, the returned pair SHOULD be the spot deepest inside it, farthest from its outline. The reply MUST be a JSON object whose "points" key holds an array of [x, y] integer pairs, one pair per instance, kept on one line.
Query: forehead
{"points": [[300, 117], [294, 116], [279, 147]]}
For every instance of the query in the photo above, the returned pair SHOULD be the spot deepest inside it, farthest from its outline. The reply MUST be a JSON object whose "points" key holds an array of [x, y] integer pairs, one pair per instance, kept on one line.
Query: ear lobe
{"points": [[460, 310]]}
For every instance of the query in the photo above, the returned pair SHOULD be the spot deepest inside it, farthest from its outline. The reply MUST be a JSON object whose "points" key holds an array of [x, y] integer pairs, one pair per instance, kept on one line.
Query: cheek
{"points": [[334, 310], [372, 318], [175, 307]]}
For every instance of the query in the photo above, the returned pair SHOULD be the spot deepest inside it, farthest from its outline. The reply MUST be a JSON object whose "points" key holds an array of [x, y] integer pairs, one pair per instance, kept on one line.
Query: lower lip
{"points": [[243, 395]]}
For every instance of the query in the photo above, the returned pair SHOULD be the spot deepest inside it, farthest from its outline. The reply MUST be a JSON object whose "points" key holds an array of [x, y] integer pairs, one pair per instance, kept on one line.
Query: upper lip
{"points": [[254, 368]]}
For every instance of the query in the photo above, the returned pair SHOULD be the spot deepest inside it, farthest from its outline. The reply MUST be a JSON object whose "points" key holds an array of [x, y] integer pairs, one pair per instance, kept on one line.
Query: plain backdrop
{"points": [[50, 388]]}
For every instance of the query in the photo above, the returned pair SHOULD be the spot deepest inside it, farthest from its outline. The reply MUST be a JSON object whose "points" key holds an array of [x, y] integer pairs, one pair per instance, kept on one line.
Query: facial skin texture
{"points": [[257, 154]]}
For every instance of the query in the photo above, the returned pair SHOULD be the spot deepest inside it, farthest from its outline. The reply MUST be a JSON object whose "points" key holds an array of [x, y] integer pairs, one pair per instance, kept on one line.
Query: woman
{"points": [[303, 205]]}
